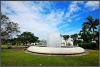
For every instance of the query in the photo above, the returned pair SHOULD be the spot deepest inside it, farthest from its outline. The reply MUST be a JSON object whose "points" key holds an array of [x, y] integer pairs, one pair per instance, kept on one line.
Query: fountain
{"points": [[54, 40], [54, 46]]}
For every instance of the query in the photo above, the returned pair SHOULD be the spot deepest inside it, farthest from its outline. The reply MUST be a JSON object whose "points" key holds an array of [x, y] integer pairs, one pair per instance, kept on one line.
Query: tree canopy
{"points": [[65, 37], [8, 27], [27, 37]]}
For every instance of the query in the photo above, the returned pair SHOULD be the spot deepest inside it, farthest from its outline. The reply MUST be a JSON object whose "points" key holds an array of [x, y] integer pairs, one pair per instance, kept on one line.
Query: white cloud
{"points": [[31, 19], [78, 2], [92, 5], [73, 7]]}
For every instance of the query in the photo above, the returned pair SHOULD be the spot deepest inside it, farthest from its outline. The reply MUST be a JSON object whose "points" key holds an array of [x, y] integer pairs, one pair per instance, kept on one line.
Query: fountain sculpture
{"points": [[54, 46]]}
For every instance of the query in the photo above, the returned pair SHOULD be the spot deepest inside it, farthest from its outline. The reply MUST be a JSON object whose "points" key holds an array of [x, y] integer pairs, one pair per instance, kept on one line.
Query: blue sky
{"points": [[44, 17]]}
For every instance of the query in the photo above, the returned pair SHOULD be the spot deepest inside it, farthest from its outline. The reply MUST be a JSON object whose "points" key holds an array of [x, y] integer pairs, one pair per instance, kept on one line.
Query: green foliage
{"points": [[27, 37], [8, 27], [22, 39], [74, 36], [65, 37], [89, 33]]}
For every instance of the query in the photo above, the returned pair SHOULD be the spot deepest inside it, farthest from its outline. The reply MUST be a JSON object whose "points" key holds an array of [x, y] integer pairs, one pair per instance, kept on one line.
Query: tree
{"points": [[85, 35], [27, 37], [75, 36], [89, 32], [65, 37], [8, 27], [91, 24]]}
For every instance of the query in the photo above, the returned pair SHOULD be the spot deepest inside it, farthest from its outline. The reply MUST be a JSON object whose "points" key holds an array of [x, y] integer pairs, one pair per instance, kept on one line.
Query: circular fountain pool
{"points": [[56, 50], [54, 46]]}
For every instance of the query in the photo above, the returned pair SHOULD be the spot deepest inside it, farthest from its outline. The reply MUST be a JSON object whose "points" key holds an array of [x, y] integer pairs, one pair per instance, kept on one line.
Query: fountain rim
{"points": [[56, 51]]}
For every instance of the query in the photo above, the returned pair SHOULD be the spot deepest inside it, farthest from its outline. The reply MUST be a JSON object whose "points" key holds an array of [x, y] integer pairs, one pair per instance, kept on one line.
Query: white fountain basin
{"points": [[54, 50]]}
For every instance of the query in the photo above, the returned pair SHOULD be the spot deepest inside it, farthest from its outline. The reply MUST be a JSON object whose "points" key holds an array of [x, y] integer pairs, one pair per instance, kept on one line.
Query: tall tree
{"points": [[91, 24], [8, 27]]}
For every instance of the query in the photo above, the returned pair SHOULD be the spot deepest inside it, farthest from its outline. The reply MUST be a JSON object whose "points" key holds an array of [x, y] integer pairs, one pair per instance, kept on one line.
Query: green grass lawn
{"points": [[18, 57]]}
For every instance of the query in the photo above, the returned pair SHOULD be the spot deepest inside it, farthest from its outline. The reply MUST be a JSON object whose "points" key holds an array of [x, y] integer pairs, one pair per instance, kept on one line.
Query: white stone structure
{"points": [[54, 50]]}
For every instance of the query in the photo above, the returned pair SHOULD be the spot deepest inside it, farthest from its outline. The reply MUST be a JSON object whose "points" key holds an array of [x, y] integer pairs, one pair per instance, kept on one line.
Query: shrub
{"points": [[89, 45]]}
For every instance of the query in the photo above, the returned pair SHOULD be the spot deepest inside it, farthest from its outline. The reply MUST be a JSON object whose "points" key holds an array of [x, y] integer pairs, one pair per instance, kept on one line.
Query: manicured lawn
{"points": [[18, 57]]}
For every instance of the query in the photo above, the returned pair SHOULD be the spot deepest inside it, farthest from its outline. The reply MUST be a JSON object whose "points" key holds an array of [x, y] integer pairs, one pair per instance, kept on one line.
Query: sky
{"points": [[45, 17]]}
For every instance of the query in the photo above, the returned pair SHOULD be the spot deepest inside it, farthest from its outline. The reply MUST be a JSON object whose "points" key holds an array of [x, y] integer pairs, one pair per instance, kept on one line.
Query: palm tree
{"points": [[91, 25]]}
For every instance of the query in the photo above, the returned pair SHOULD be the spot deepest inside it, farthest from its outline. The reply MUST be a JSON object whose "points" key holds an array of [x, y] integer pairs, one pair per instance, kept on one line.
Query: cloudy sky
{"points": [[44, 17]]}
